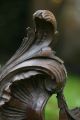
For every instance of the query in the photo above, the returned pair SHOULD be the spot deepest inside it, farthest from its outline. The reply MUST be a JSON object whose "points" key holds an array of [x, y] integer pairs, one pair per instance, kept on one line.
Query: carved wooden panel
{"points": [[33, 74]]}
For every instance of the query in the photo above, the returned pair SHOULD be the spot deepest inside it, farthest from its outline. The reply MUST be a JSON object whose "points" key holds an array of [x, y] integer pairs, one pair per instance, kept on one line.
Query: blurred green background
{"points": [[16, 15]]}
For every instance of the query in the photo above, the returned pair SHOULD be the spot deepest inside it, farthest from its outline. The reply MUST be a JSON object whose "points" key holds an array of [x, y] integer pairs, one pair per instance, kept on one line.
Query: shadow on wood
{"points": [[33, 74]]}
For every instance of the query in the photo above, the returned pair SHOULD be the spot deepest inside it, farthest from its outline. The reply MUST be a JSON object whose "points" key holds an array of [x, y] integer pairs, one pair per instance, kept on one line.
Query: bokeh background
{"points": [[16, 15]]}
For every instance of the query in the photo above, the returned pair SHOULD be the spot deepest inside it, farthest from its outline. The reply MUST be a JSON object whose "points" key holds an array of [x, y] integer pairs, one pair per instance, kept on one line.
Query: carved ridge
{"points": [[33, 74]]}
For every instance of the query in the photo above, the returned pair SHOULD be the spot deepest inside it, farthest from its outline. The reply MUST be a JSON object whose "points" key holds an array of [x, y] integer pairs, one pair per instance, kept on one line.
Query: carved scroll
{"points": [[33, 74]]}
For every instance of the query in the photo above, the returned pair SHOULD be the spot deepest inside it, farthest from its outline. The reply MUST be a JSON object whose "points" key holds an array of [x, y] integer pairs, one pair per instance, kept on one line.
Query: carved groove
{"points": [[33, 74]]}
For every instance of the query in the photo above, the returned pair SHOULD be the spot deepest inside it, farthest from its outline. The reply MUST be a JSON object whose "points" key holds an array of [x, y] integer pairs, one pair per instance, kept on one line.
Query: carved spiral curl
{"points": [[33, 74]]}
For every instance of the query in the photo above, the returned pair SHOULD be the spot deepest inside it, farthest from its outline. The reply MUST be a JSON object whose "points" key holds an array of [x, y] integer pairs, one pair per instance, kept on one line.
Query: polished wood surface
{"points": [[33, 74]]}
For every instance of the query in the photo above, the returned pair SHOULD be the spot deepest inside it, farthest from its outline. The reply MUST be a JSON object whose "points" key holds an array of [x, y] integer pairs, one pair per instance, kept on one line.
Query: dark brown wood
{"points": [[33, 74]]}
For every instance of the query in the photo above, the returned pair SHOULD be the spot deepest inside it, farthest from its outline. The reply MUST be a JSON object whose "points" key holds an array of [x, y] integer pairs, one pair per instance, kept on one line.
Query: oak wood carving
{"points": [[33, 74]]}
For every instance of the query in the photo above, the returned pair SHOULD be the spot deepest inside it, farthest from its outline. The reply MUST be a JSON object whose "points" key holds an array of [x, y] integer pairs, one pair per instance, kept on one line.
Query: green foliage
{"points": [[72, 95]]}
